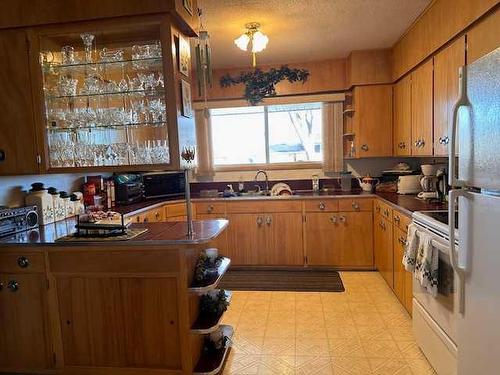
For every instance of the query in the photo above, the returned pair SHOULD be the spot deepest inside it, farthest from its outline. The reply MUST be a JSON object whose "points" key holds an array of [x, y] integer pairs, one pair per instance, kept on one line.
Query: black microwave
{"points": [[163, 184]]}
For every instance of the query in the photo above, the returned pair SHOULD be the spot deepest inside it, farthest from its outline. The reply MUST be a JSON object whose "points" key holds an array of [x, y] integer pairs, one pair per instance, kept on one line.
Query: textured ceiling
{"points": [[306, 30]]}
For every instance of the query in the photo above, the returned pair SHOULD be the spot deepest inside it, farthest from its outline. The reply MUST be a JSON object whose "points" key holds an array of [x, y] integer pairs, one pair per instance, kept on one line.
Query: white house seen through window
{"points": [[267, 134]]}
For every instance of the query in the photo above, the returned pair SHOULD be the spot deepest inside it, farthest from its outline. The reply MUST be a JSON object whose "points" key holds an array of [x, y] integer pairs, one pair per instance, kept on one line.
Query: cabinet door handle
{"points": [[364, 147], [210, 209], [333, 219], [402, 145], [397, 219], [386, 212], [377, 208], [382, 225], [23, 262], [342, 219], [355, 206], [322, 206], [269, 220], [157, 215], [13, 286], [444, 140], [422, 143], [259, 220]]}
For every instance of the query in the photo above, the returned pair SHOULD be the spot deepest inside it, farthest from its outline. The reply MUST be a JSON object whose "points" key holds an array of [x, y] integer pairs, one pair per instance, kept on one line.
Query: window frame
{"points": [[268, 165]]}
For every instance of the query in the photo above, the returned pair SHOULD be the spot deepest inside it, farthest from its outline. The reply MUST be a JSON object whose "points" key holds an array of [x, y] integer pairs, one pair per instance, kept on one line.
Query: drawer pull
{"points": [[386, 212], [23, 262], [333, 219], [13, 286], [364, 147], [210, 209], [342, 219], [269, 220], [321, 206], [355, 206], [377, 208], [397, 219], [259, 220]]}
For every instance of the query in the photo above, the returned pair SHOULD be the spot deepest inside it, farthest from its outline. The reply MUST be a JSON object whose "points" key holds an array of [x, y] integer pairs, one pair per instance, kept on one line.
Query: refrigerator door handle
{"points": [[460, 271], [462, 101]]}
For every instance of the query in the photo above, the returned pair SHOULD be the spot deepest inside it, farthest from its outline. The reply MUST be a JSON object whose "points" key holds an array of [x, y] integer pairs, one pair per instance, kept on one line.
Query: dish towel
{"points": [[410, 254], [426, 265]]}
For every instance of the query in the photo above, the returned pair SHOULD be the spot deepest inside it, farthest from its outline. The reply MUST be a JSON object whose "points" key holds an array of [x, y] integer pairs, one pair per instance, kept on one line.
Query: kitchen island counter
{"points": [[166, 233]]}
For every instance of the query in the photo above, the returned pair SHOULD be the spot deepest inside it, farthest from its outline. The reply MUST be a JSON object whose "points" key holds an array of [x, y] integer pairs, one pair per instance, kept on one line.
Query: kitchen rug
{"points": [[282, 280]]}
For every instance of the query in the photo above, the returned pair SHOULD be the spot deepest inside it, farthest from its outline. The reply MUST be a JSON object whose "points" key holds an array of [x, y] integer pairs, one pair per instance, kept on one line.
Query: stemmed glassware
{"points": [[105, 108]]}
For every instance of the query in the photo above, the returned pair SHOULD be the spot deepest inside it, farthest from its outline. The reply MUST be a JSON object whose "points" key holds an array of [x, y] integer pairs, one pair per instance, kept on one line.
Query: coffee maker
{"points": [[433, 183]]}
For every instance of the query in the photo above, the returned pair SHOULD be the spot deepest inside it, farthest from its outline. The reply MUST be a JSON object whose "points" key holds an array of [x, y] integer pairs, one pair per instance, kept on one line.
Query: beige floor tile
{"points": [[316, 330], [389, 366], [346, 347], [279, 346], [244, 344], [250, 329], [241, 364], [312, 347], [410, 350], [401, 333], [367, 318], [279, 365], [288, 317], [341, 331], [277, 329], [420, 366], [311, 317], [313, 365], [350, 366], [381, 349], [362, 331]]}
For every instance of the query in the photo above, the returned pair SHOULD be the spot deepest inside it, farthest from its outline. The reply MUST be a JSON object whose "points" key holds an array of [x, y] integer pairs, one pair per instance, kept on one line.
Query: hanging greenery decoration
{"points": [[260, 84]]}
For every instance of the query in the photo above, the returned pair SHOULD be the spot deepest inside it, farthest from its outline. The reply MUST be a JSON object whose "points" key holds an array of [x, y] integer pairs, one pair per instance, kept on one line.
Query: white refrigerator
{"points": [[475, 130]]}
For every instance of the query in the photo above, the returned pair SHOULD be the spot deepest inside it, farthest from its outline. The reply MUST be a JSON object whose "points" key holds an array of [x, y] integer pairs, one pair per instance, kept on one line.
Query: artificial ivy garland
{"points": [[259, 84]]}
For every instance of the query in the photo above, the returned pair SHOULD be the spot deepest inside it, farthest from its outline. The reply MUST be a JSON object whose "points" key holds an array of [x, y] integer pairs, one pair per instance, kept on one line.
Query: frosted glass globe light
{"points": [[259, 42], [242, 42]]}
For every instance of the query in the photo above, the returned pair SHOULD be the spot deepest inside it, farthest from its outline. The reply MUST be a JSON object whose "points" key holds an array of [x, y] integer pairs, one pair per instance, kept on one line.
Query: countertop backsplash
{"points": [[13, 189]]}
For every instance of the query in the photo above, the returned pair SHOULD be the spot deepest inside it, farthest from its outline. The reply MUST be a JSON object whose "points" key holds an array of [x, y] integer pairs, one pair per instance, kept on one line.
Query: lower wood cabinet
{"points": [[356, 248], [322, 238], [97, 328], [382, 238], [339, 239], [24, 332], [265, 239], [403, 280]]}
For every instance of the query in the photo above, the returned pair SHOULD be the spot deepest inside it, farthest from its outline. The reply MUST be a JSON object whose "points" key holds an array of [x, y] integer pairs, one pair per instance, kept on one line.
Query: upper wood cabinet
{"points": [[18, 144], [421, 110], [372, 120], [484, 37], [446, 64], [402, 117]]}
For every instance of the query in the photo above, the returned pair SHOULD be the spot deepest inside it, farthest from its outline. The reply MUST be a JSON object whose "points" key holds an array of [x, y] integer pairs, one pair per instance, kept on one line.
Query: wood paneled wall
{"points": [[328, 75], [443, 20]]}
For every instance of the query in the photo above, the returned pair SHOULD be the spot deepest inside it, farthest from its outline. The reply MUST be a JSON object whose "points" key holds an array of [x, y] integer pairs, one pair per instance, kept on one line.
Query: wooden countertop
{"points": [[167, 233]]}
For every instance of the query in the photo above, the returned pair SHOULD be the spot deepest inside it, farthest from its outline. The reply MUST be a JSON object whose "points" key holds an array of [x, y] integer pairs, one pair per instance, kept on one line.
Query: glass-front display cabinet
{"points": [[105, 97]]}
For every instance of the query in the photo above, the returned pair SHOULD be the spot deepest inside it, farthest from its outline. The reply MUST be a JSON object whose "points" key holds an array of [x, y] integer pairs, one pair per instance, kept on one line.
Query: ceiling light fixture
{"points": [[252, 36]]}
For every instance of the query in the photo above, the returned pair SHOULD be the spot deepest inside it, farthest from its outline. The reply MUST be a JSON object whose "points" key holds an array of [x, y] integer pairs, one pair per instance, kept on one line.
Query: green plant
{"points": [[206, 267], [214, 305], [260, 84]]}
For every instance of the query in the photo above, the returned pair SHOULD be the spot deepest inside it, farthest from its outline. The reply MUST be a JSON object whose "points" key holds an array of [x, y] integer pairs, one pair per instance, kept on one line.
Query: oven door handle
{"points": [[460, 271]]}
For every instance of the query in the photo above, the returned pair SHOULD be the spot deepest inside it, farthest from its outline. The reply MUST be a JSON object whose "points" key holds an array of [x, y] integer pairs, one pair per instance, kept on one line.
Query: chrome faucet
{"points": [[266, 191]]}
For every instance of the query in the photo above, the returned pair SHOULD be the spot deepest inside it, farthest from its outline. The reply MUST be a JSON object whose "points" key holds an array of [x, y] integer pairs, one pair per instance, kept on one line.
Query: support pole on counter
{"points": [[188, 155]]}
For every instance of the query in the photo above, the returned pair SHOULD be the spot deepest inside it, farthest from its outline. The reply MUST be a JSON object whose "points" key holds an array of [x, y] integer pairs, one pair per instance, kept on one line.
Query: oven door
{"points": [[443, 308]]}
